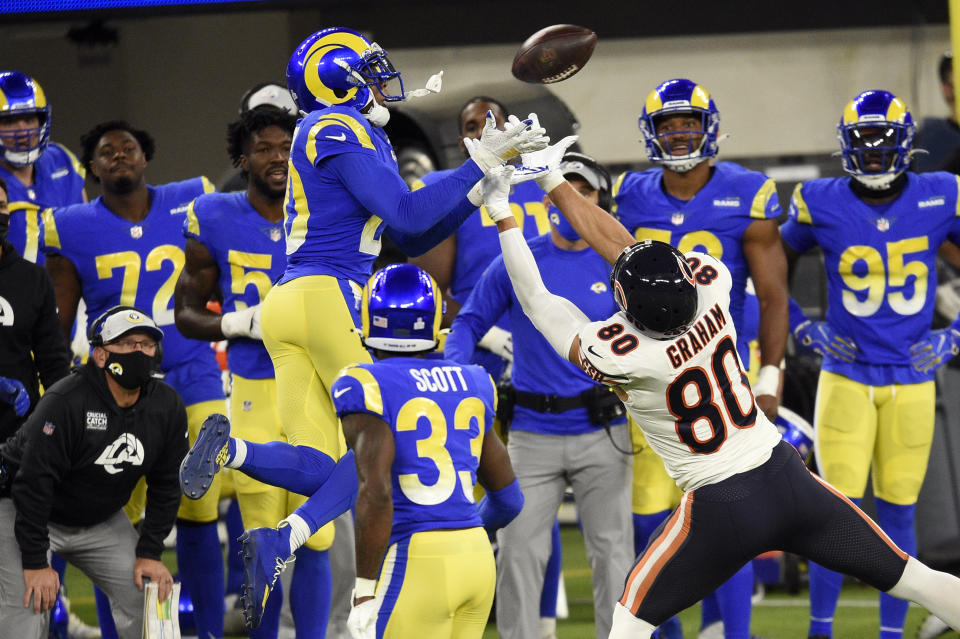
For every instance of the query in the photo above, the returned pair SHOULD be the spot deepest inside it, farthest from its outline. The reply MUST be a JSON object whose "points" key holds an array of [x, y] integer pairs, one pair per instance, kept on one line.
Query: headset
{"points": [[606, 188], [95, 337]]}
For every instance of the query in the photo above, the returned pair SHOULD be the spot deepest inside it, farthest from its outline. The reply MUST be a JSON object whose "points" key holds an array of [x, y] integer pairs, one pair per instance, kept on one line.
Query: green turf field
{"points": [[778, 616]]}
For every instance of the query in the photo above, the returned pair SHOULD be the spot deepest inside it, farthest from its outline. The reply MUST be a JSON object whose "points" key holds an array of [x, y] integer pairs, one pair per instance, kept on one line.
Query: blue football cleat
{"points": [[265, 552], [205, 457]]}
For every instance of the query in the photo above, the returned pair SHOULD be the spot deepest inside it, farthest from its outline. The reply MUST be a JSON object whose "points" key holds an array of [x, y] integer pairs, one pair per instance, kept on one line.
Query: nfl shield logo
{"points": [[136, 232], [883, 224], [48, 428], [677, 219], [276, 234], [247, 406]]}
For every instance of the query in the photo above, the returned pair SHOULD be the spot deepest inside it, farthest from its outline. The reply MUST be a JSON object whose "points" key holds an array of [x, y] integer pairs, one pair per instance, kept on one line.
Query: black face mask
{"points": [[4, 226], [130, 370]]}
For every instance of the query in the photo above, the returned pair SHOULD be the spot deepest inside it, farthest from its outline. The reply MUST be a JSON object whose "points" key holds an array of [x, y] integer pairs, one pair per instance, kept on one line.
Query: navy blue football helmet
{"points": [[338, 66], [654, 287], [795, 430], [401, 311], [21, 95], [876, 135], [680, 97]]}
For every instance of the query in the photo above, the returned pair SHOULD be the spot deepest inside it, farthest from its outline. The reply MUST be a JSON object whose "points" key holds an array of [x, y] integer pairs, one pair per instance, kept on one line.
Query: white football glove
{"points": [[245, 323], [362, 622], [544, 165], [495, 188], [496, 147], [499, 342]]}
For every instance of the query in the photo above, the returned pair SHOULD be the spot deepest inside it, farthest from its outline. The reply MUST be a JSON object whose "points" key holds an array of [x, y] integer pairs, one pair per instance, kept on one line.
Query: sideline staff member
{"points": [[71, 468]]}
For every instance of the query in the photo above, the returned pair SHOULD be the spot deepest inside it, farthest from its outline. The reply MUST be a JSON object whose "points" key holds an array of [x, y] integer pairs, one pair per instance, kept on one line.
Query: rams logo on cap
{"points": [[134, 317], [116, 368]]}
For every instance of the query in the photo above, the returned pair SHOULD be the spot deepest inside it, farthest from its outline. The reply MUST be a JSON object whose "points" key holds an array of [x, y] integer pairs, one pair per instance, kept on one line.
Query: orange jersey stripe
{"points": [[865, 517], [660, 552]]}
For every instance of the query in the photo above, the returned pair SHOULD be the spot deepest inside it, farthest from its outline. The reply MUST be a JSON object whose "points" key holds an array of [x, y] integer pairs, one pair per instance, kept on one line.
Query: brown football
{"points": [[553, 54]]}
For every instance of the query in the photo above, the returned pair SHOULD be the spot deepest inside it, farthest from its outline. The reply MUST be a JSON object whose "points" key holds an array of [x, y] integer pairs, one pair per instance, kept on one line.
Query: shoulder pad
{"points": [[356, 390], [338, 131]]}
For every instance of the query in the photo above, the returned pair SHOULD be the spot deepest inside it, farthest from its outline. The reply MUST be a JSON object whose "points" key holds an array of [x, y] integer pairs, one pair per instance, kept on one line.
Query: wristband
{"points": [[550, 181], [768, 380], [364, 588]]}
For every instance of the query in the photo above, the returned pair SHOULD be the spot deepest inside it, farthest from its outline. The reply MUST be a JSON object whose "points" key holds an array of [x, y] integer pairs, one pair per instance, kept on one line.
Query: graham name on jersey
{"points": [[697, 338]]}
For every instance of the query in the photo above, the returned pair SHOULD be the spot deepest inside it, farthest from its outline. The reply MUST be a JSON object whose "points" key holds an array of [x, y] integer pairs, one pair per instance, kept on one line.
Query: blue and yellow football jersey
{"points": [[439, 412], [57, 181], [328, 232], [249, 252], [138, 263], [713, 221], [879, 259]]}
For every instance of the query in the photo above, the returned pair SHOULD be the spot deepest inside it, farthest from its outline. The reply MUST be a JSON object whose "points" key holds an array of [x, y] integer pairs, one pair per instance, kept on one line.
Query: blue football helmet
{"points": [[876, 135], [338, 66], [21, 95], [795, 430], [402, 309], [675, 97]]}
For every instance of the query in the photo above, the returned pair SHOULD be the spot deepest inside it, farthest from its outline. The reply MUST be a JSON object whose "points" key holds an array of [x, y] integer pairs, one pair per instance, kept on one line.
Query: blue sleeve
{"points": [[798, 236], [499, 507], [414, 245], [379, 188], [487, 302], [797, 316]]}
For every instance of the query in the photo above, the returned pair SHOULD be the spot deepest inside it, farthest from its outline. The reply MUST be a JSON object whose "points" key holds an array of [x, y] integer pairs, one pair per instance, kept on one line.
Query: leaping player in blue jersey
{"points": [[39, 174], [126, 247], [343, 192], [879, 230]]}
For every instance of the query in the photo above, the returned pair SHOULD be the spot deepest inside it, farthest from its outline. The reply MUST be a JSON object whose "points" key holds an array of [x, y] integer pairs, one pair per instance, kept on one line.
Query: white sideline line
{"points": [[805, 603]]}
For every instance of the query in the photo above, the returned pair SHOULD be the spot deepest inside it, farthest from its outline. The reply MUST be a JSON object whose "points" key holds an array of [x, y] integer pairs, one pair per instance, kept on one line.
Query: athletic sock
{"points": [[551, 579], [234, 522], [644, 526], [709, 610], [825, 586], [270, 621], [336, 496], [200, 563], [897, 522], [310, 591], [108, 629], [733, 597], [299, 469]]}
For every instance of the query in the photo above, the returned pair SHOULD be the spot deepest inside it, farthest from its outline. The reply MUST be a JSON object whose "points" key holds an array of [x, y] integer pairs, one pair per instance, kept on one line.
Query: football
{"points": [[554, 54]]}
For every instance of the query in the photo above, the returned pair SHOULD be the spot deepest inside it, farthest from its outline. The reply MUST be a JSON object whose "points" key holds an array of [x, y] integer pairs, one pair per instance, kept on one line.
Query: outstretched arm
{"points": [[605, 234]]}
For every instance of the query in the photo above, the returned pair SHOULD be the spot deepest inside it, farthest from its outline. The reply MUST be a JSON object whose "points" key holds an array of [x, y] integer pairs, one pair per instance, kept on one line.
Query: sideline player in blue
{"points": [[235, 246], [39, 174], [722, 209], [126, 247], [879, 230], [557, 433], [343, 192], [421, 432]]}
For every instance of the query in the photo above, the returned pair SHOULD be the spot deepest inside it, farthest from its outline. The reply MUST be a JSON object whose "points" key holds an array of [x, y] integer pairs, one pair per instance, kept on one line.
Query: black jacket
{"points": [[79, 456], [28, 323]]}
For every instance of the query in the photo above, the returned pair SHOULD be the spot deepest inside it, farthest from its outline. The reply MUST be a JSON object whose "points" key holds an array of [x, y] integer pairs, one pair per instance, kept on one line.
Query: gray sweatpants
{"points": [[104, 552], [600, 477]]}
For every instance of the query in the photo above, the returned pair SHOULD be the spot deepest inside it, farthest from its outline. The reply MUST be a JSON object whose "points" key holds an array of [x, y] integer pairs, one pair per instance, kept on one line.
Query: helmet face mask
{"points": [[654, 287], [685, 99], [20, 96], [339, 67], [401, 310], [876, 135]]}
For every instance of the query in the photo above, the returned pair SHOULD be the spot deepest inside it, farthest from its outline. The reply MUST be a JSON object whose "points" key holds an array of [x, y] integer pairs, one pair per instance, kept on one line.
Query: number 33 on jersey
{"points": [[688, 394]]}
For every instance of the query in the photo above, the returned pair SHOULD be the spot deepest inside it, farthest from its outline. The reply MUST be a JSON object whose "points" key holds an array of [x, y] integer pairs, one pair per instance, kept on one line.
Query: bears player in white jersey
{"points": [[670, 355]]}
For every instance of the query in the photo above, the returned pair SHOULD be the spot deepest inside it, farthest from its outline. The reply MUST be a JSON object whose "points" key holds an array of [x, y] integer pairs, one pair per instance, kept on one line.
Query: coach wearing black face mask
{"points": [[70, 469]]}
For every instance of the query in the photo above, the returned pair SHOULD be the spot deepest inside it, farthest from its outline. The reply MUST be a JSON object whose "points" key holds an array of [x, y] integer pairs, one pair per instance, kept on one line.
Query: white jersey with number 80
{"points": [[689, 394]]}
